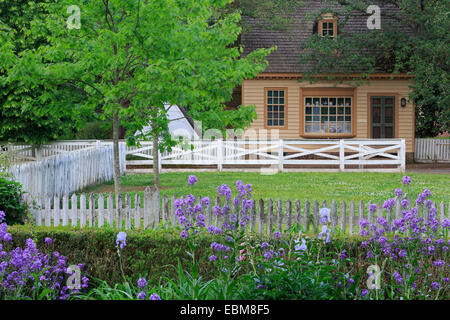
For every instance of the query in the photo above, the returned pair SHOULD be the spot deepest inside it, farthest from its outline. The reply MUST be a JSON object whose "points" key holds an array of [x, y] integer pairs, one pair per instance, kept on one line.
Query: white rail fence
{"points": [[432, 150], [153, 210], [68, 166], [67, 172], [344, 155]]}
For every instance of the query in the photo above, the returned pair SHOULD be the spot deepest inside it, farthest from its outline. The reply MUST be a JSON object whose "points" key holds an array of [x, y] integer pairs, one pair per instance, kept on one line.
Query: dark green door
{"points": [[382, 117]]}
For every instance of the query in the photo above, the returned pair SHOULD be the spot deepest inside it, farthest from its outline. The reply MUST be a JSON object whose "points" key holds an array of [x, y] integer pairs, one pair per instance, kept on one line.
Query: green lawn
{"points": [[299, 185]]}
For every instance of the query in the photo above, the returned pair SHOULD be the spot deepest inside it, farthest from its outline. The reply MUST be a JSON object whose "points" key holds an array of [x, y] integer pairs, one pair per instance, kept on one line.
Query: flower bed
{"points": [[407, 259]]}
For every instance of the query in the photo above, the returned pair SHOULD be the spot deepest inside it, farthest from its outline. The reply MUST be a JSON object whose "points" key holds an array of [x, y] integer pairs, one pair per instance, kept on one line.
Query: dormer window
{"points": [[328, 25]]}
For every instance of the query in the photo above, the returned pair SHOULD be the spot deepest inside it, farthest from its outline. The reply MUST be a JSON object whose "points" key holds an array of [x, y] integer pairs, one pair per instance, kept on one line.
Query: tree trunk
{"points": [[117, 184], [155, 160]]}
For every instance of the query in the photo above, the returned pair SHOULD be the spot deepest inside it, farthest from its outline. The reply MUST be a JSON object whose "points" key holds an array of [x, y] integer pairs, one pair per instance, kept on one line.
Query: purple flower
{"points": [[121, 239], [142, 282], [301, 247], [435, 285], [7, 237], [388, 204], [351, 281], [48, 241], [192, 180], [406, 180], [404, 203], [268, 255], [364, 292], [212, 258], [264, 245], [141, 295], [398, 192], [2, 215], [372, 207], [439, 263], [325, 215], [277, 235], [398, 278], [184, 234], [343, 255], [154, 296]]}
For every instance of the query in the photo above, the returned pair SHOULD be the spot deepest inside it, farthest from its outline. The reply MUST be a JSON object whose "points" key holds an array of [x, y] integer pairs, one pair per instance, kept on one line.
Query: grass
{"points": [[299, 185]]}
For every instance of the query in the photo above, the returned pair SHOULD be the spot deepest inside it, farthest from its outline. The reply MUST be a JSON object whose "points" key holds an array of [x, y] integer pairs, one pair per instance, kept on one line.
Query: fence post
{"points": [[280, 155], [341, 155], [403, 155], [219, 154], [159, 161]]}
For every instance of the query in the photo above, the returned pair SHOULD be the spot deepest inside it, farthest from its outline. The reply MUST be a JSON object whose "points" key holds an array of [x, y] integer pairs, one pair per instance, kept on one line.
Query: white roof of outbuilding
{"points": [[179, 125]]}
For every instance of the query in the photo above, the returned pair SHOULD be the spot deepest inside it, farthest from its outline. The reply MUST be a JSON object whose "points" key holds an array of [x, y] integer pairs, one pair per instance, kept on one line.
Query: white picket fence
{"points": [[432, 150], [265, 216], [343, 155], [19, 153], [67, 172]]}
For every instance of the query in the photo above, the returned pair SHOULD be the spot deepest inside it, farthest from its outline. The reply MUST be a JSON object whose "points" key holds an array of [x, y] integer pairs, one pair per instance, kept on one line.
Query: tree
{"points": [[413, 39], [130, 57], [25, 115]]}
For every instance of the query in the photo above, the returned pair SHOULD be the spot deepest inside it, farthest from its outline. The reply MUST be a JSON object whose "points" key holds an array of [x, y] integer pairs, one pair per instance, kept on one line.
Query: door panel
{"points": [[382, 117]]}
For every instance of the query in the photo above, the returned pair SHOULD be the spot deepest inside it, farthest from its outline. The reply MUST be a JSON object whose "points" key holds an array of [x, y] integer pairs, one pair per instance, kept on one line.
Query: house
{"points": [[324, 109]]}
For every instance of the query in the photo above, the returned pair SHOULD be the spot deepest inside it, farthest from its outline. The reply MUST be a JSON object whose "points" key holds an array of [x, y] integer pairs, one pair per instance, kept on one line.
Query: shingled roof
{"points": [[286, 58]]}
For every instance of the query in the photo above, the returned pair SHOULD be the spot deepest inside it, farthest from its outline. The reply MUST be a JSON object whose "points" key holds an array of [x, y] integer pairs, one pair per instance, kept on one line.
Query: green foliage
{"points": [[414, 40], [131, 57], [148, 253], [10, 193], [25, 114], [91, 130]]}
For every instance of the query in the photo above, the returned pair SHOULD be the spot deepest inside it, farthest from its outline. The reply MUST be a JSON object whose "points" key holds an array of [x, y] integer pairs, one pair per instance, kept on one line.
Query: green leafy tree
{"points": [[130, 57], [413, 39], [25, 114]]}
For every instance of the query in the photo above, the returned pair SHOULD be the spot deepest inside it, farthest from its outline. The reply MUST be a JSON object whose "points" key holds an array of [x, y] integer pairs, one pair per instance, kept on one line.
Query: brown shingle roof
{"points": [[286, 58]]}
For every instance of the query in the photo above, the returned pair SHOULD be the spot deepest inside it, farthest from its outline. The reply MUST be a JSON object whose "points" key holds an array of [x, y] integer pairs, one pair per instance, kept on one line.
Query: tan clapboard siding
{"points": [[253, 94]]}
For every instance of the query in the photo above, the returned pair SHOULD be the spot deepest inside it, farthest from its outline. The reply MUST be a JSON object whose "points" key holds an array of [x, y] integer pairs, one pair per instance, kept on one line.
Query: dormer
{"points": [[328, 25]]}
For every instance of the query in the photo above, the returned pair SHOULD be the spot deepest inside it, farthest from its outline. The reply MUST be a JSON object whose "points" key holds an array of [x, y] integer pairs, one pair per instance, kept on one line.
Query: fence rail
{"points": [[344, 155], [432, 150], [154, 209]]}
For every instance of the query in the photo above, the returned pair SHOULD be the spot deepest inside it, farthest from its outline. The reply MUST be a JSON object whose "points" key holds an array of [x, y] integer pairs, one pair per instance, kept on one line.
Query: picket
{"points": [[64, 173], [157, 209]]}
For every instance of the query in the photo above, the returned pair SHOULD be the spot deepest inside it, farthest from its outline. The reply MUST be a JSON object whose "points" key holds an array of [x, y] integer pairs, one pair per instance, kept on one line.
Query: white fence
{"points": [[265, 216], [67, 172], [25, 153], [68, 166], [343, 155], [432, 150]]}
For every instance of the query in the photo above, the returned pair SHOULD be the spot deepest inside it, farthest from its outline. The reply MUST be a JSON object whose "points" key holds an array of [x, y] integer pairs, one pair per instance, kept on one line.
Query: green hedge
{"points": [[150, 253]]}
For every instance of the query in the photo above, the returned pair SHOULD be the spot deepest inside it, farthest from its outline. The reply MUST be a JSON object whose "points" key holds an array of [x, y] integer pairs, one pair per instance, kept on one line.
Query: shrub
{"points": [[10, 193]]}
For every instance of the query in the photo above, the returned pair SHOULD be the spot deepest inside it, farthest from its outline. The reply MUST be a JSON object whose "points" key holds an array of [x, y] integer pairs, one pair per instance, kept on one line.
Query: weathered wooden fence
{"points": [[432, 150], [154, 210], [18, 152], [68, 172]]}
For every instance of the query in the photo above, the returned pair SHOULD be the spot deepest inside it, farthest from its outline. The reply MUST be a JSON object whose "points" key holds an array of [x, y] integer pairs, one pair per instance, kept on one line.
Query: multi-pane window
{"points": [[328, 29], [328, 115], [276, 107]]}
